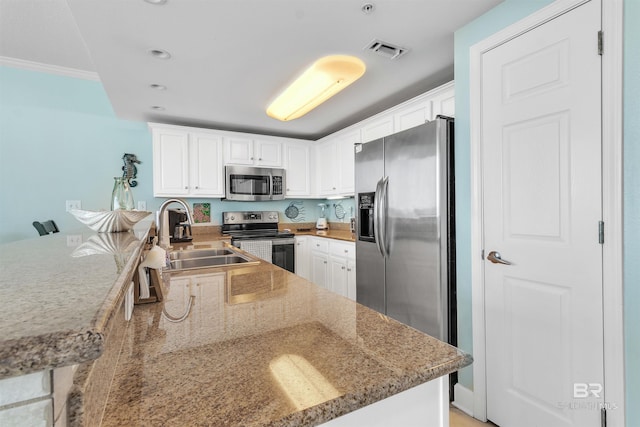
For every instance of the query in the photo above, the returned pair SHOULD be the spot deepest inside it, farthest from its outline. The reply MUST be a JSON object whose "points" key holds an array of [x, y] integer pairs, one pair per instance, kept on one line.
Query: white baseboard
{"points": [[463, 399]]}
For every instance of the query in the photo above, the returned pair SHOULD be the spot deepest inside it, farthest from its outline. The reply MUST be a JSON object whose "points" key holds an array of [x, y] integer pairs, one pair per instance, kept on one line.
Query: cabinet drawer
{"points": [[25, 387], [342, 249], [319, 244]]}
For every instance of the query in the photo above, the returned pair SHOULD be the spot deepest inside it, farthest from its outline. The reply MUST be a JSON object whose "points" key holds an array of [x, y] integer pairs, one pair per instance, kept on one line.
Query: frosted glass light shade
{"points": [[326, 77]]}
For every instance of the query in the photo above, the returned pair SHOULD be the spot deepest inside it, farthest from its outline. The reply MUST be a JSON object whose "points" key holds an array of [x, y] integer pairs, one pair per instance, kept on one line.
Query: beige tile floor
{"points": [[457, 418]]}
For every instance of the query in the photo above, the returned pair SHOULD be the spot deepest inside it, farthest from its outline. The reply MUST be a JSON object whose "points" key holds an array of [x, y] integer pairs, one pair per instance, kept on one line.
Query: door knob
{"points": [[495, 258]]}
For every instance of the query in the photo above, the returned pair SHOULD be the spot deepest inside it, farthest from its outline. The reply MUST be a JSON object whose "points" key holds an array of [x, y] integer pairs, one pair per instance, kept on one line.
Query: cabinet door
{"points": [[302, 257], [298, 171], [170, 163], [377, 128], [412, 115], [338, 269], [351, 279], [268, 153], [238, 151], [319, 267], [346, 157], [206, 165], [444, 103], [327, 169]]}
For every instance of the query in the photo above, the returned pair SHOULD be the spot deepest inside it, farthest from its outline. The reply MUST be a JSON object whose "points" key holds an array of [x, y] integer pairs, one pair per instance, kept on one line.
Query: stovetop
{"points": [[253, 225]]}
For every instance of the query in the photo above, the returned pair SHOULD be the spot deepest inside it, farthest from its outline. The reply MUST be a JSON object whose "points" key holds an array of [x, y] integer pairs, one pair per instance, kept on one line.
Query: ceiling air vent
{"points": [[385, 49]]}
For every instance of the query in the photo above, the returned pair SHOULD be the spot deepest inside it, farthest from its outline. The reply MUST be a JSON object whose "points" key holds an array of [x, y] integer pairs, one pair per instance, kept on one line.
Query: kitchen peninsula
{"points": [[259, 346]]}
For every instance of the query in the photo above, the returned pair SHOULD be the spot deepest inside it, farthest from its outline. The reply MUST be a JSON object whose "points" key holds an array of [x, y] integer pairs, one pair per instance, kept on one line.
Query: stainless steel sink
{"points": [[206, 258], [198, 253]]}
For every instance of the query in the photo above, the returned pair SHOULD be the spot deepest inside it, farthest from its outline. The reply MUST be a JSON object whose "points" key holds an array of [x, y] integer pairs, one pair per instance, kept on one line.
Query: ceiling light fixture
{"points": [[157, 107], [160, 54], [326, 77], [158, 87]]}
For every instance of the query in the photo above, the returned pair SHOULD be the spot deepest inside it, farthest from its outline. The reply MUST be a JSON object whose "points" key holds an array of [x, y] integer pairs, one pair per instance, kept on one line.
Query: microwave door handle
{"points": [[270, 186]]}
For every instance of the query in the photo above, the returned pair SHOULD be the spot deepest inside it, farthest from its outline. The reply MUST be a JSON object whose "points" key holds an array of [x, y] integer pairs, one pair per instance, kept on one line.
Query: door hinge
{"points": [[600, 43], [603, 417], [601, 232]]}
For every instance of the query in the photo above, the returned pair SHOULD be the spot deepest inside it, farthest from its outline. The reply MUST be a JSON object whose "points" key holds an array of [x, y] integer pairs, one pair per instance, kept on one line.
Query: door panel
{"points": [[370, 265], [541, 145]]}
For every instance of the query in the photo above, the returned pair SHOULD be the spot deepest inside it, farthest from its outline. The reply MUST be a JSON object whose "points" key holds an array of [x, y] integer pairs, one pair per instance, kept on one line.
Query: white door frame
{"points": [[612, 170]]}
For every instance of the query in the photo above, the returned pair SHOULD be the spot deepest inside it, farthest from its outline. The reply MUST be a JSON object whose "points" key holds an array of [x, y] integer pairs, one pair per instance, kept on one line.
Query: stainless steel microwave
{"points": [[245, 183]]}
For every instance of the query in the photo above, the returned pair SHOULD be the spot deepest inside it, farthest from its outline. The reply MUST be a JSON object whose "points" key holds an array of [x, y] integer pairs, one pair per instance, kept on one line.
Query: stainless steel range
{"points": [[257, 233]]}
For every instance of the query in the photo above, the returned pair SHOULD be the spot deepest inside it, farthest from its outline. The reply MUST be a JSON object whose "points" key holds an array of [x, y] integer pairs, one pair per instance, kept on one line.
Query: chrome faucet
{"points": [[160, 216]]}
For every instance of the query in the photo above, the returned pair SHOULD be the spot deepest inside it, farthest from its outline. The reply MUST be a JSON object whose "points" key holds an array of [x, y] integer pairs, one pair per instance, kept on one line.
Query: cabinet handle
{"points": [[197, 187], [348, 269], [186, 188], [288, 189], [252, 158], [324, 262], [343, 268], [334, 188], [260, 159], [346, 251]]}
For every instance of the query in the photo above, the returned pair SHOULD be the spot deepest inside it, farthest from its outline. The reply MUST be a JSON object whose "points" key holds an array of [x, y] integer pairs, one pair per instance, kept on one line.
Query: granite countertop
{"points": [[337, 230], [262, 346], [57, 293]]}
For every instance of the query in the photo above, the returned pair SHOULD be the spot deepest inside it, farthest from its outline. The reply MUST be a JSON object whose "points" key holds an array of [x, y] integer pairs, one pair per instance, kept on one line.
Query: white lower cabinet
{"points": [[302, 257], [26, 400], [333, 265], [319, 268]]}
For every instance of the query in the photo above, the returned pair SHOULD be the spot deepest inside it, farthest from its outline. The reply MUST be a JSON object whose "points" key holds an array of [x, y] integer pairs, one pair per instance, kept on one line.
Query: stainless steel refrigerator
{"points": [[405, 246]]}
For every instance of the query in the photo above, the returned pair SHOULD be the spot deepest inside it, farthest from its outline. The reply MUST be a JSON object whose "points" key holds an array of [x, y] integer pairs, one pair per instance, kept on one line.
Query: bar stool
{"points": [[46, 227]]}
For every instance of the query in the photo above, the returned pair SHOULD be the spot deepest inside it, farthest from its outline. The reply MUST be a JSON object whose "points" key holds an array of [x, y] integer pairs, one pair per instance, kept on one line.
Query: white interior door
{"points": [[541, 145]]}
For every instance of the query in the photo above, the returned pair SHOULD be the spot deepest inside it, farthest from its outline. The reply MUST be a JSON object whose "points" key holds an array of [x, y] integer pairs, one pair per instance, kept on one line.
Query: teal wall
{"points": [[632, 208], [491, 22], [498, 18], [60, 140]]}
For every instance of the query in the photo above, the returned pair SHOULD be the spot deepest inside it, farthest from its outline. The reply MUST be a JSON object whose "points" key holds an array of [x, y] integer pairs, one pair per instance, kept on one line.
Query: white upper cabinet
{"points": [[170, 162], [186, 163], [378, 127], [297, 162], [444, 102], [254, 152], [206, 172], [335, 163], [414, 114]]}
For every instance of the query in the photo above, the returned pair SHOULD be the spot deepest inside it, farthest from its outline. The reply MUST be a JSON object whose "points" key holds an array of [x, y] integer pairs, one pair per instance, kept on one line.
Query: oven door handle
{"points": [[277, 242]]}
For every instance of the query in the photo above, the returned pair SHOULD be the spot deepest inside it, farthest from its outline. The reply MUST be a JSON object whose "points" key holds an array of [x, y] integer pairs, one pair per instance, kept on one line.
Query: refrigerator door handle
{"points": [[379, 220], [376, 216], [384, 198]]}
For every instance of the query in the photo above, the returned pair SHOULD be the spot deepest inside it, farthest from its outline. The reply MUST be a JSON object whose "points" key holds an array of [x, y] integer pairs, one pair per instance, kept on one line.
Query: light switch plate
{"points": [[73, 204], [142, 205], [74, 240]]}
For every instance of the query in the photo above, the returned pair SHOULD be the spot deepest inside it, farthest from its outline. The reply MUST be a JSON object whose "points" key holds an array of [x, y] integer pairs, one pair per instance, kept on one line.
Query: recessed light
{"points": [[160, 54], [157, 107], [158, 87], [158, 2]]}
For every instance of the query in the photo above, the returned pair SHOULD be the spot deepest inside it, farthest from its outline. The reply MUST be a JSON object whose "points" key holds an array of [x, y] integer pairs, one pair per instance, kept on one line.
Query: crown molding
{"points": [[48, 68]]}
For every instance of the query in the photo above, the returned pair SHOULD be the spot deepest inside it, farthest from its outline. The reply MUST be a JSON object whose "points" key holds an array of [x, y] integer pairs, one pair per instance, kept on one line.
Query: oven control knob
{"points": [[232, 217]]}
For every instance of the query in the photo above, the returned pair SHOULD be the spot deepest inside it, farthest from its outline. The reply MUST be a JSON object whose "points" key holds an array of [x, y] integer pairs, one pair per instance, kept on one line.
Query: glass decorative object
{"points": [[122, 196]]}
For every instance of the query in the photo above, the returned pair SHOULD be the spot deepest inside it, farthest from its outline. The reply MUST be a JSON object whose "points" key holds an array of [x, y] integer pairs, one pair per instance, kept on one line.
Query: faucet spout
{"points": [[160, 217]]}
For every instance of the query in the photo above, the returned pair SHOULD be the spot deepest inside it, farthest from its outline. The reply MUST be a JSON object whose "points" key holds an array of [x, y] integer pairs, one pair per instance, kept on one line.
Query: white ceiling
{"points": [[231, 58]]}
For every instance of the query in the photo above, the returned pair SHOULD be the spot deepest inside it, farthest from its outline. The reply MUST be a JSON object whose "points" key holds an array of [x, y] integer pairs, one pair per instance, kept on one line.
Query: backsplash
{"points": [[290, 211]]}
